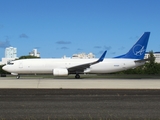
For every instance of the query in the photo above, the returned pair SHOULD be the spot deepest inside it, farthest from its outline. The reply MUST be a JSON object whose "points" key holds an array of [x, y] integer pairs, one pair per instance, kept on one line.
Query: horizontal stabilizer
{"points": [[143, 60]]}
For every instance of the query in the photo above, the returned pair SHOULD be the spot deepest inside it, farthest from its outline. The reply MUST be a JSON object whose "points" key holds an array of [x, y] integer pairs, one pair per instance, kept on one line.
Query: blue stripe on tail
{"points": [[139, 49]]}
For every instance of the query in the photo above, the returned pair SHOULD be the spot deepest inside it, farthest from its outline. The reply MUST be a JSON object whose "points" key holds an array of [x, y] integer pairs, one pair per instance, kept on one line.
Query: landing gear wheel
{"points": [[18, 76], [77, 76]]}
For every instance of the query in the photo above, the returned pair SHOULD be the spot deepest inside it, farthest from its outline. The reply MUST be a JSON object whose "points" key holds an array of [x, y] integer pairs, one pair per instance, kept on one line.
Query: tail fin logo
{"points": [[138, 50]]}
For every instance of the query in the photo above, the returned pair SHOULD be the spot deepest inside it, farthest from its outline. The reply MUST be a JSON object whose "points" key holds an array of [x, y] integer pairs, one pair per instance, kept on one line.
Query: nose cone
{"points": [[5, 68]]}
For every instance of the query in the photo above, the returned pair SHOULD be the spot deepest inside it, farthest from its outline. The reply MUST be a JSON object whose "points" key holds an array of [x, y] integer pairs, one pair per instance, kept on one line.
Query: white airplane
{"points": [[63, 67]]}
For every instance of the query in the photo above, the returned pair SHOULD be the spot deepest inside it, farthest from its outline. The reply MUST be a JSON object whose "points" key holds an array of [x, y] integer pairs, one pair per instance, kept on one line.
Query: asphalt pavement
{"points": [[77, 104]]}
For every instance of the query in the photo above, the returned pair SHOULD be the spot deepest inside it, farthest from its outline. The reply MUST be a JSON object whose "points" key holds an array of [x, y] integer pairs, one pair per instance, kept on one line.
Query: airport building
{"points": [[34, 52], [83, 56], [80, 56], [10, 54], [156, 55]]}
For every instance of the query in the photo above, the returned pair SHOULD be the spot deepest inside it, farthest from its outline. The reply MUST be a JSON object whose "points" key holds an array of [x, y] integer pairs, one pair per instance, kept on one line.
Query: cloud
{"points": [[135, 37], [100, 52], [107, 48], [61, 42], [23, 36], [64, 48], [97, 47], [4, 44], [79, 49]]}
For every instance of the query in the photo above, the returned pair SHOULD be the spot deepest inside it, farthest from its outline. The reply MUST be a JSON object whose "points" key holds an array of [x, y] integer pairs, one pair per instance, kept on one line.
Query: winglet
{"points": [[102, 57]]}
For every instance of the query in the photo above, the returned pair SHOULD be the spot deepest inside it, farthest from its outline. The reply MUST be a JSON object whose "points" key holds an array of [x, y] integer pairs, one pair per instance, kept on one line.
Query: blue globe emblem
{"points": [[138, 50]]}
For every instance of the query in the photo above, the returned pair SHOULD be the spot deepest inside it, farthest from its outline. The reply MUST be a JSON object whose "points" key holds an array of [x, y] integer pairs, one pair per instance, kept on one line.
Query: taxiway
{"points": [[50, 83]]}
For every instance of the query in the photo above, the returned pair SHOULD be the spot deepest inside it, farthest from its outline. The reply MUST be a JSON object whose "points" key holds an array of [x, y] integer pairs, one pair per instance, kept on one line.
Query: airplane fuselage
{"points": [[46, 66]]}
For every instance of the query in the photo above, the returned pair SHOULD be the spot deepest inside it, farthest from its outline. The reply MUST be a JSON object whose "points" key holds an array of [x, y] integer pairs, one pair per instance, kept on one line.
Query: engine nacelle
{"points": [[14, 73], [60, 72]]}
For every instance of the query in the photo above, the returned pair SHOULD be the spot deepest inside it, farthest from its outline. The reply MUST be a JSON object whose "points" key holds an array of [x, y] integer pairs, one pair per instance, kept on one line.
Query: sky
{"points": [[66, 27]]}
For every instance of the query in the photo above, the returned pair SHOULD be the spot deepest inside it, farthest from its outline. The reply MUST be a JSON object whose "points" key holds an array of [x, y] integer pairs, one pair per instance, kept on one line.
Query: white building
{"points": [[80, 56], [83, 56], [34, 52], [156, 55], [10, 54]]}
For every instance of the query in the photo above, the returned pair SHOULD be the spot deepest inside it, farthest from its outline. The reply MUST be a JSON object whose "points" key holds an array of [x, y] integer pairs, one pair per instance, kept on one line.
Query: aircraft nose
{"points": [[4, 68]]}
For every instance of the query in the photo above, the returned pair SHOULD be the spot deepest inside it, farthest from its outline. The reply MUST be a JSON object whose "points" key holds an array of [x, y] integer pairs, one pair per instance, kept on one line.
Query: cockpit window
{"points": [[10, 63]]}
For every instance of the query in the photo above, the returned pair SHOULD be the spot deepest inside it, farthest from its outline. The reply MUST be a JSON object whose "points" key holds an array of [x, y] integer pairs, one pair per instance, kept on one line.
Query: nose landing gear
{"points": [[18, 76]]}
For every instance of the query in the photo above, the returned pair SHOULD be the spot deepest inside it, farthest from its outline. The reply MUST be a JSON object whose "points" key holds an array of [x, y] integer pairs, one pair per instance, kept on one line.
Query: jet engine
{"points": [[60, 72]]}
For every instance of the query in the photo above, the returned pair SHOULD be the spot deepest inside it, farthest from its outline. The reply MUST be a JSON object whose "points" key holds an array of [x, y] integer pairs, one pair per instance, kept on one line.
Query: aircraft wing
{"points": [[82, 67]]}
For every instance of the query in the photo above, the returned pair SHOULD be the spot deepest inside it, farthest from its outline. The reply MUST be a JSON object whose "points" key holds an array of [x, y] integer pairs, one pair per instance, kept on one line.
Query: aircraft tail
{"points": [[139, 48]]}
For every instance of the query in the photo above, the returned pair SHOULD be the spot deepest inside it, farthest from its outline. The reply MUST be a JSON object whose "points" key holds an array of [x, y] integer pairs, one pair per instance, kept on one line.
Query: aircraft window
{"points": [[10, 63]]}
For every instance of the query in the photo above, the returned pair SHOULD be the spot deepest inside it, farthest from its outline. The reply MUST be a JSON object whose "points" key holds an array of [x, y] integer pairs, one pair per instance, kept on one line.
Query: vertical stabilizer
{"points": [[139, 48]]}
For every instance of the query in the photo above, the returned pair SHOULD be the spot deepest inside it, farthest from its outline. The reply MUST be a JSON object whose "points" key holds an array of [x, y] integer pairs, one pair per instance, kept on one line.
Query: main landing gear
{"points": [[77, 76]]}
